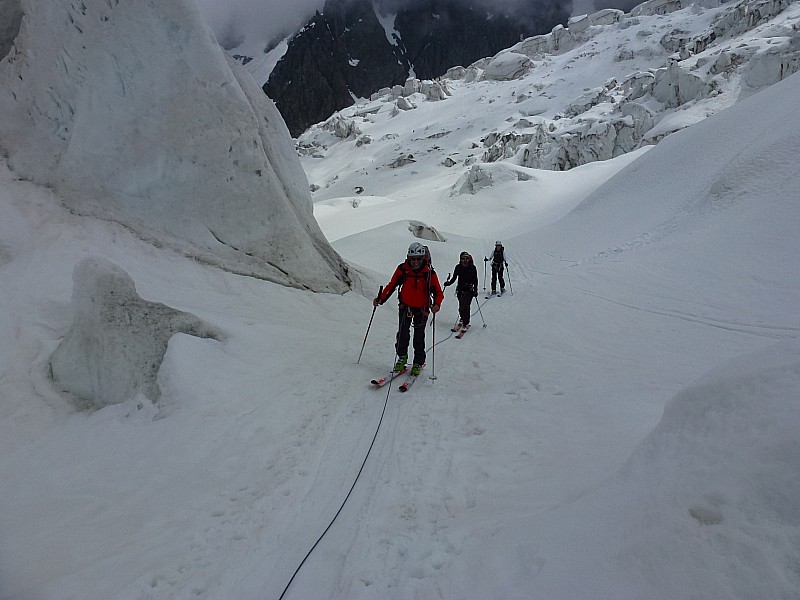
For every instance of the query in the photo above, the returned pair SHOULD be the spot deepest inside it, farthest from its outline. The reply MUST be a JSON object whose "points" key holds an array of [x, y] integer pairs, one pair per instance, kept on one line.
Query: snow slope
{"points": [[625, 426]]}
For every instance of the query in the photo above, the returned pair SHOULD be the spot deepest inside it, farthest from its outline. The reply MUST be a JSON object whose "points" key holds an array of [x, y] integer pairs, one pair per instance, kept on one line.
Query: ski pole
{"points": [[374, 308], [480, 312], [510, 289], [433, 349]]}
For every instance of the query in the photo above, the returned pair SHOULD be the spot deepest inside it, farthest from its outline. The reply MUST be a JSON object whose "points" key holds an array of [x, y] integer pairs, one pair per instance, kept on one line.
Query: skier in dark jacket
{"points": [[420, 294], [499, 260], [467, 287]]}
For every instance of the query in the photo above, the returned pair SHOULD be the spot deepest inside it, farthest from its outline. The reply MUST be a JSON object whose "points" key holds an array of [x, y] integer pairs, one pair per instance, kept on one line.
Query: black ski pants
{"points": [[464, 305], [418, 317], [497, 273]]}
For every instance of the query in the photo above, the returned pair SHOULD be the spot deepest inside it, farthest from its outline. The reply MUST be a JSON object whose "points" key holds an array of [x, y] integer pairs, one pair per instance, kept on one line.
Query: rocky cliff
{"points": [[353, 48]]}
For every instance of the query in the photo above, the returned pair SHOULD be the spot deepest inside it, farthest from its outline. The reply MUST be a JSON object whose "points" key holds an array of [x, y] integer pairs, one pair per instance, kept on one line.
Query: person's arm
{"points": [[389, 289], [438, 295], [452, 280]]}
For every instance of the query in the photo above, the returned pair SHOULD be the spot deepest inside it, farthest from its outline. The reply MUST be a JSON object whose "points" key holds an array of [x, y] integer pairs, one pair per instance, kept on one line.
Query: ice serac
{"points": [[114, 348], [132, 112]]}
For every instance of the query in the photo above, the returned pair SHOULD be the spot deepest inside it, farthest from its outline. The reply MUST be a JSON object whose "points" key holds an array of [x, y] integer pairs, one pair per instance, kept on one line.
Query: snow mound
{"points": [[719, 483]]}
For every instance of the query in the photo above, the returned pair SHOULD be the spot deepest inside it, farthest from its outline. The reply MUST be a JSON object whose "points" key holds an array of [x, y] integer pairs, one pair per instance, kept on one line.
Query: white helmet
{"points": [[416, 249], [498, 243]]}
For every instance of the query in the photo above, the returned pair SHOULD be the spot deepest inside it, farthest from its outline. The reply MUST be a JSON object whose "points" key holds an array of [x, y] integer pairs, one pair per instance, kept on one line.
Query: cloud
{"points": [[238, 22]]}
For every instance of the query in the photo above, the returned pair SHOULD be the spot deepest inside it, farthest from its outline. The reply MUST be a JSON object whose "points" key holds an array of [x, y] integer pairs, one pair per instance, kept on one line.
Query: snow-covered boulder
{"points": [[424, 231], [607, 16], [132, 112], [114, 348], [579, 23], [534, 47], [656, 7], [501, 146], [507, 66], [675, 87], [563, 39], [586, 100], [405, 104], [434, 90], [773, 64], [341, 127], [412, 86], [455, 73], [482, 176], [402, 161]]}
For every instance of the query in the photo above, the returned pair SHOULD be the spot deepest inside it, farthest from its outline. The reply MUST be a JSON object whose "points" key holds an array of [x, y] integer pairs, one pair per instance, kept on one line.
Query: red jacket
{"points": [[416, 287]]}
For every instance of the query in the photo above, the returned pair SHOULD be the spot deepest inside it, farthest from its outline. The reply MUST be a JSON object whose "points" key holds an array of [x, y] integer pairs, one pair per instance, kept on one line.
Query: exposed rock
{"points": [[317, 75], [504, 146], [402, 161]]}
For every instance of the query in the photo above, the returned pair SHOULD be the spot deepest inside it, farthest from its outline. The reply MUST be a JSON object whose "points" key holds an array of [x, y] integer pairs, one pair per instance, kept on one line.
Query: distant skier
{"points": [[467, 287], [420, 294], [499, 261]]}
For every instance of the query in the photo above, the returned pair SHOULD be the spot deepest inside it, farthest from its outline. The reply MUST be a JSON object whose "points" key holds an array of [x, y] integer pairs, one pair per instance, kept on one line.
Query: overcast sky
{"points": [[237, 21]]}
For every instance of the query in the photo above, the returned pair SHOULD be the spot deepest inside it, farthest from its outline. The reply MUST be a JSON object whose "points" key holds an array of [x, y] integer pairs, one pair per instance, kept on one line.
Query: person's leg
{"points": [[420, 320], [403, 332], [500, 270], [464, 306], [494, 278]]}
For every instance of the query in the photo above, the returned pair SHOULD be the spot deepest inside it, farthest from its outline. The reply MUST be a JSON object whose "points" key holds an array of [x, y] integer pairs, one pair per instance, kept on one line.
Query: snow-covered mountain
{"points": [[352, 48], [625, 426], [609, 84]]}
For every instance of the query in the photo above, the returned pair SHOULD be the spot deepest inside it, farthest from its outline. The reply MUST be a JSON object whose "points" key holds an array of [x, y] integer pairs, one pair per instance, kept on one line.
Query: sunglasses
{"points": [[415, 259]]}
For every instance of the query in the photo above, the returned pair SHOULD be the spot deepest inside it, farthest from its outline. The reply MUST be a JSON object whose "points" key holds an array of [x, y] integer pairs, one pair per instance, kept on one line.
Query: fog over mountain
{"points": [[251, 23]]}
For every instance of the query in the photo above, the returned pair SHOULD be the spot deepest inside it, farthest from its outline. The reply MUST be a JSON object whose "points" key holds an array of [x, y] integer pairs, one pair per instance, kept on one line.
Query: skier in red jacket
{"points": [[420, 294]]}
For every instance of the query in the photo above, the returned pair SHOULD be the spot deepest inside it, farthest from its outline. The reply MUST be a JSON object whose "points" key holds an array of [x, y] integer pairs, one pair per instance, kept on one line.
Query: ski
{"points": [[456, 327], [462, 332], [409, 382], [384, 380]]}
